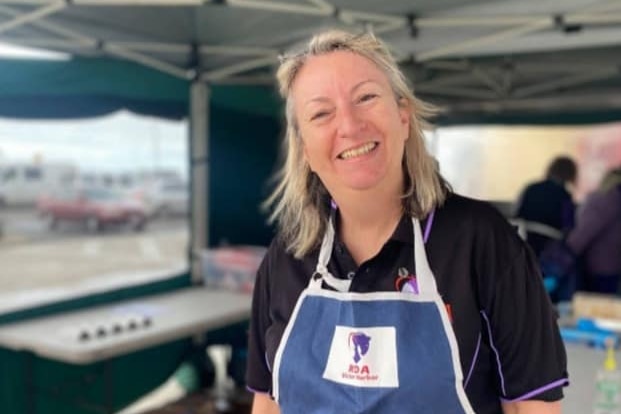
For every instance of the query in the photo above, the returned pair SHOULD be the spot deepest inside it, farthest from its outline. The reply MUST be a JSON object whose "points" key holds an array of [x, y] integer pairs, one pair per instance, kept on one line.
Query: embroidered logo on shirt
{"points": [[363, 357]]}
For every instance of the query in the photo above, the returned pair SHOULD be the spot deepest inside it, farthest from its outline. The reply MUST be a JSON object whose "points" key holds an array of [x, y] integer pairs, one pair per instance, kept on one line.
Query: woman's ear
{"points": [[305, 157], [404, 109]]}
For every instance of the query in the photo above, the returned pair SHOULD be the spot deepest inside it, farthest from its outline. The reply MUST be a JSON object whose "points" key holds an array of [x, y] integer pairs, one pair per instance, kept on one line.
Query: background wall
{"points": [[496, 162]]}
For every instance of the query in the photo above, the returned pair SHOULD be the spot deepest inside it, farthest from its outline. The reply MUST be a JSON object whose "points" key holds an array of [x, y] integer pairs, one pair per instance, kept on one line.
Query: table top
{"points": [[102, 332]]}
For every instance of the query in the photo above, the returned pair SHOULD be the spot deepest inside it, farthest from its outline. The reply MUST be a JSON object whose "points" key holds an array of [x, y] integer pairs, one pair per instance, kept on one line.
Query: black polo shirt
{"points": [[509, 343]]}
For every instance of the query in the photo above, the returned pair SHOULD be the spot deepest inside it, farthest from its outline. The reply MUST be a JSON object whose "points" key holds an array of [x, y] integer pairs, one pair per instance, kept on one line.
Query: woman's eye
{"points": [[319, 115], [367, 97]]}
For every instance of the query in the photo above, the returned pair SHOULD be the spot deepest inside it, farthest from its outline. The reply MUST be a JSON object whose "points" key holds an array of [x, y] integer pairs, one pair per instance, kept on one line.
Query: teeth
{"points": [[356, 152]]}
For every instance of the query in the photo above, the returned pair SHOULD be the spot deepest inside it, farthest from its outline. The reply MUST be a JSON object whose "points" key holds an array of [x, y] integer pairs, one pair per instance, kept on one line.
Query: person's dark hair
{"points": [[562, 170]]}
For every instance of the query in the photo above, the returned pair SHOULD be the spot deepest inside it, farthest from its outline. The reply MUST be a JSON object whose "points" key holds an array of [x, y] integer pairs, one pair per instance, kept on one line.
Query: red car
{"points": [[96, 208]]}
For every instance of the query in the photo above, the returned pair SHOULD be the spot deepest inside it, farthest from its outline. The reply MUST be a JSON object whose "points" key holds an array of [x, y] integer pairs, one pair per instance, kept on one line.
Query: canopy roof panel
{"points": [[487, 58]]}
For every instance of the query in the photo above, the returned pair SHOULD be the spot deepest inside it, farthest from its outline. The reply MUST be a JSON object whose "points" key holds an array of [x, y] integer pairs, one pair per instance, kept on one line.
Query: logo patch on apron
{"points": [[363, 357]]}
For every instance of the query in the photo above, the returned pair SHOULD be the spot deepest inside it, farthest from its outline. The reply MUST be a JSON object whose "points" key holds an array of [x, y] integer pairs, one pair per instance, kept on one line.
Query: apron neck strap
{"points": [[342, 285], [425, 278]]}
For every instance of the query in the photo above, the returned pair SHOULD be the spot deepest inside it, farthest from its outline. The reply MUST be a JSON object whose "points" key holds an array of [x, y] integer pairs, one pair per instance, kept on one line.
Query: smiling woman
{"points": [[360, 208]]}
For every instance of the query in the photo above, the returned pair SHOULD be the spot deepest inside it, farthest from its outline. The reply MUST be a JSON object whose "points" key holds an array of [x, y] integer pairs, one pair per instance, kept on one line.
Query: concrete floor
{"points": [[583, 363], [202, 403]]}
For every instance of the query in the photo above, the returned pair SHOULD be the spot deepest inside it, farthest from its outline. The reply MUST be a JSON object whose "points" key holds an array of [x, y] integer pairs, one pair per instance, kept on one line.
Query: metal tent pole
{"points": [[199, 170]]}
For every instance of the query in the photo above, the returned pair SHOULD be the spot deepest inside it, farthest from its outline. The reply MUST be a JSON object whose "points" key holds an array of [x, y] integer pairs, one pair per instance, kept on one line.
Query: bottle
{"points": [[608, 384]]}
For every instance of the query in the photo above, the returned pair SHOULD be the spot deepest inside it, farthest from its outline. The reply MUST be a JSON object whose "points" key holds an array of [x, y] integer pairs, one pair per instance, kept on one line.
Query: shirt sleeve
{"points": [[518, 320], [258, 375]]}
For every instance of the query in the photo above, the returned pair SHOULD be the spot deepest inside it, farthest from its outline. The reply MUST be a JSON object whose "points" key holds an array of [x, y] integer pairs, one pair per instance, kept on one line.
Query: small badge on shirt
{"points": [[363, 357], [406, 281]]}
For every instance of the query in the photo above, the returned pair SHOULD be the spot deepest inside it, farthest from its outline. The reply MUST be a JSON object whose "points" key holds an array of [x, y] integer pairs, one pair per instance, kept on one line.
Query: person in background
{"points": [[549, 202], [384, 291], [596, 239]]}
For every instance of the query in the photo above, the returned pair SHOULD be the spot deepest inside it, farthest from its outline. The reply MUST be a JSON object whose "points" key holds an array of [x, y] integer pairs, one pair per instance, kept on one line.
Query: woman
{"points": [[596, 239], [347, 314]]}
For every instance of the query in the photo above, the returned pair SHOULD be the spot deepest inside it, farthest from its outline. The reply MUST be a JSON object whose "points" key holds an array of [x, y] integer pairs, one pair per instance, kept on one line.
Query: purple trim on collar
{"points": [[428, 226], [491, 342], [474, 361], [557, 383]]}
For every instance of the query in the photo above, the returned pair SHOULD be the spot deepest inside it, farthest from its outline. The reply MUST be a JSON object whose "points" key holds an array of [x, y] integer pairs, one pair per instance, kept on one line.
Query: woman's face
{"points": [[352, 127]]}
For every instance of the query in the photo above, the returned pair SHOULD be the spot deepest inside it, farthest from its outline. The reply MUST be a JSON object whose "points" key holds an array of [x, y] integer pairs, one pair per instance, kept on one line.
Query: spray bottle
{"points": [[608, 384]]}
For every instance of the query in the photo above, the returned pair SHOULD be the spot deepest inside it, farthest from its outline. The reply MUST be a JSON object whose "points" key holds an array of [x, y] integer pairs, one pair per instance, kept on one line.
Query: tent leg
{"points": [[199, 172]]}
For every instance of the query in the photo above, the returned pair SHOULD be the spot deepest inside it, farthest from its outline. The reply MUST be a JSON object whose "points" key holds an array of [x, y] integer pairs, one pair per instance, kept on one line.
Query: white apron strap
{"points": [[424, 277], [321, 271]]}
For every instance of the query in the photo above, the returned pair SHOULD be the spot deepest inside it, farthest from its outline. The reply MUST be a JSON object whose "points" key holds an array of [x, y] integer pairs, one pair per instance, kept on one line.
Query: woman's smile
{"points": [[358, 151]]}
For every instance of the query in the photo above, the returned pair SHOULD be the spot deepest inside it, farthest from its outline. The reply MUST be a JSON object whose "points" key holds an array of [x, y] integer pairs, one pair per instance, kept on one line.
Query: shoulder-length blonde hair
{"points": [[300, 204]]}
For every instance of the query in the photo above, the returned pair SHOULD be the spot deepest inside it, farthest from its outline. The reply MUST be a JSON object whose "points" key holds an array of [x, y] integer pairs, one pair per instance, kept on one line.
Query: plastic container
{"points": [[232, 268]]}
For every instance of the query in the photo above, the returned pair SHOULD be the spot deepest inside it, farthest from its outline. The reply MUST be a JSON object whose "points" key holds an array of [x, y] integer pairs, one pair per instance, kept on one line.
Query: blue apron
{"points": [[379, 352]]}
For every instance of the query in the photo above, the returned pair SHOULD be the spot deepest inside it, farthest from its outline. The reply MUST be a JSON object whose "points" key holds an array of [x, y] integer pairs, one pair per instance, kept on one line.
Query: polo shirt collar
{"points": [[403, 233]]}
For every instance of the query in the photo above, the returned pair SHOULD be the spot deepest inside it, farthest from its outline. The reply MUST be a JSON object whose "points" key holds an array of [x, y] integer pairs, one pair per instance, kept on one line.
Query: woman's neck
{"points": [[366, 223]]}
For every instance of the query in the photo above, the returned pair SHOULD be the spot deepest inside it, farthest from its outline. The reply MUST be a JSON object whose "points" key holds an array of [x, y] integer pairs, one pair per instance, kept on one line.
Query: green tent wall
{"points": [[244, 128]]}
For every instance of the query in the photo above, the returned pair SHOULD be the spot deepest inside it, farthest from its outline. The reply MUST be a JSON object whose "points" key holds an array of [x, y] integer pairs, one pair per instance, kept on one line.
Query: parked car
{"points": [[166, 198], [96, 208]]}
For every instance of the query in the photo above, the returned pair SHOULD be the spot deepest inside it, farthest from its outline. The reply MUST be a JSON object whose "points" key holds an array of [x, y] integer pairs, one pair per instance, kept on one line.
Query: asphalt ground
{"points": [[39, 263]]}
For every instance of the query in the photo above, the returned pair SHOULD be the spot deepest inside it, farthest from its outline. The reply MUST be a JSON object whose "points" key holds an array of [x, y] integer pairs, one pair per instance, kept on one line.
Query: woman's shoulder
{"points": [[279, 257], [277, 252], [460, 207], [468, 217]]}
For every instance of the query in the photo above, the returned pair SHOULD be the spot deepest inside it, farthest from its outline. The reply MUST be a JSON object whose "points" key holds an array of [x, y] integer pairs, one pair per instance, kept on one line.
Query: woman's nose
{"points": [[350, 121]]}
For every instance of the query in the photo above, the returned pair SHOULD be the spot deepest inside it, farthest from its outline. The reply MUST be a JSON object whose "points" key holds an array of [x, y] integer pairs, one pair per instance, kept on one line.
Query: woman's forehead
{"points": [[338, 69]]}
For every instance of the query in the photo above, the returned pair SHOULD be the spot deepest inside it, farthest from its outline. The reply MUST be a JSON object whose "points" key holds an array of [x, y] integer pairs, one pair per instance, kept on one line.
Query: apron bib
{"points": [[379, 352]]}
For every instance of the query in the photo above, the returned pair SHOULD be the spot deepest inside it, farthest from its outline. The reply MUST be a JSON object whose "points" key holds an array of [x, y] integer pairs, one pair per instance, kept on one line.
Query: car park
{"points": [[22, 183], [96, 209], [166, 199]]}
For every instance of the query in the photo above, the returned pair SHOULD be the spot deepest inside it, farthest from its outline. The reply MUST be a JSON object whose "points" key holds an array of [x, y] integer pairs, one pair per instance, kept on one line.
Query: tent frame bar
{"points": [[515, 26]]}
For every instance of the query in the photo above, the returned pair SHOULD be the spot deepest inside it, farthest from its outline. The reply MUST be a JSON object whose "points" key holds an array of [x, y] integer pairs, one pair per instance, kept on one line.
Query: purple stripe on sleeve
{"points": [[252, 390], [474, 361], [428, 226], [491, 342], [558, 383]]}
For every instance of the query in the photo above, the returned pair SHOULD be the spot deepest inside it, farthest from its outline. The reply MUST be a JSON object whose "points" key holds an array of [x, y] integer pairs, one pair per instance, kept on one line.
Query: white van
{"points": [[23, 183]]}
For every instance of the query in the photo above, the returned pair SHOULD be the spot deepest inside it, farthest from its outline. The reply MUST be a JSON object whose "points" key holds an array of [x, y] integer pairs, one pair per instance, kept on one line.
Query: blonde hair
{"points": [[300, 203]]}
